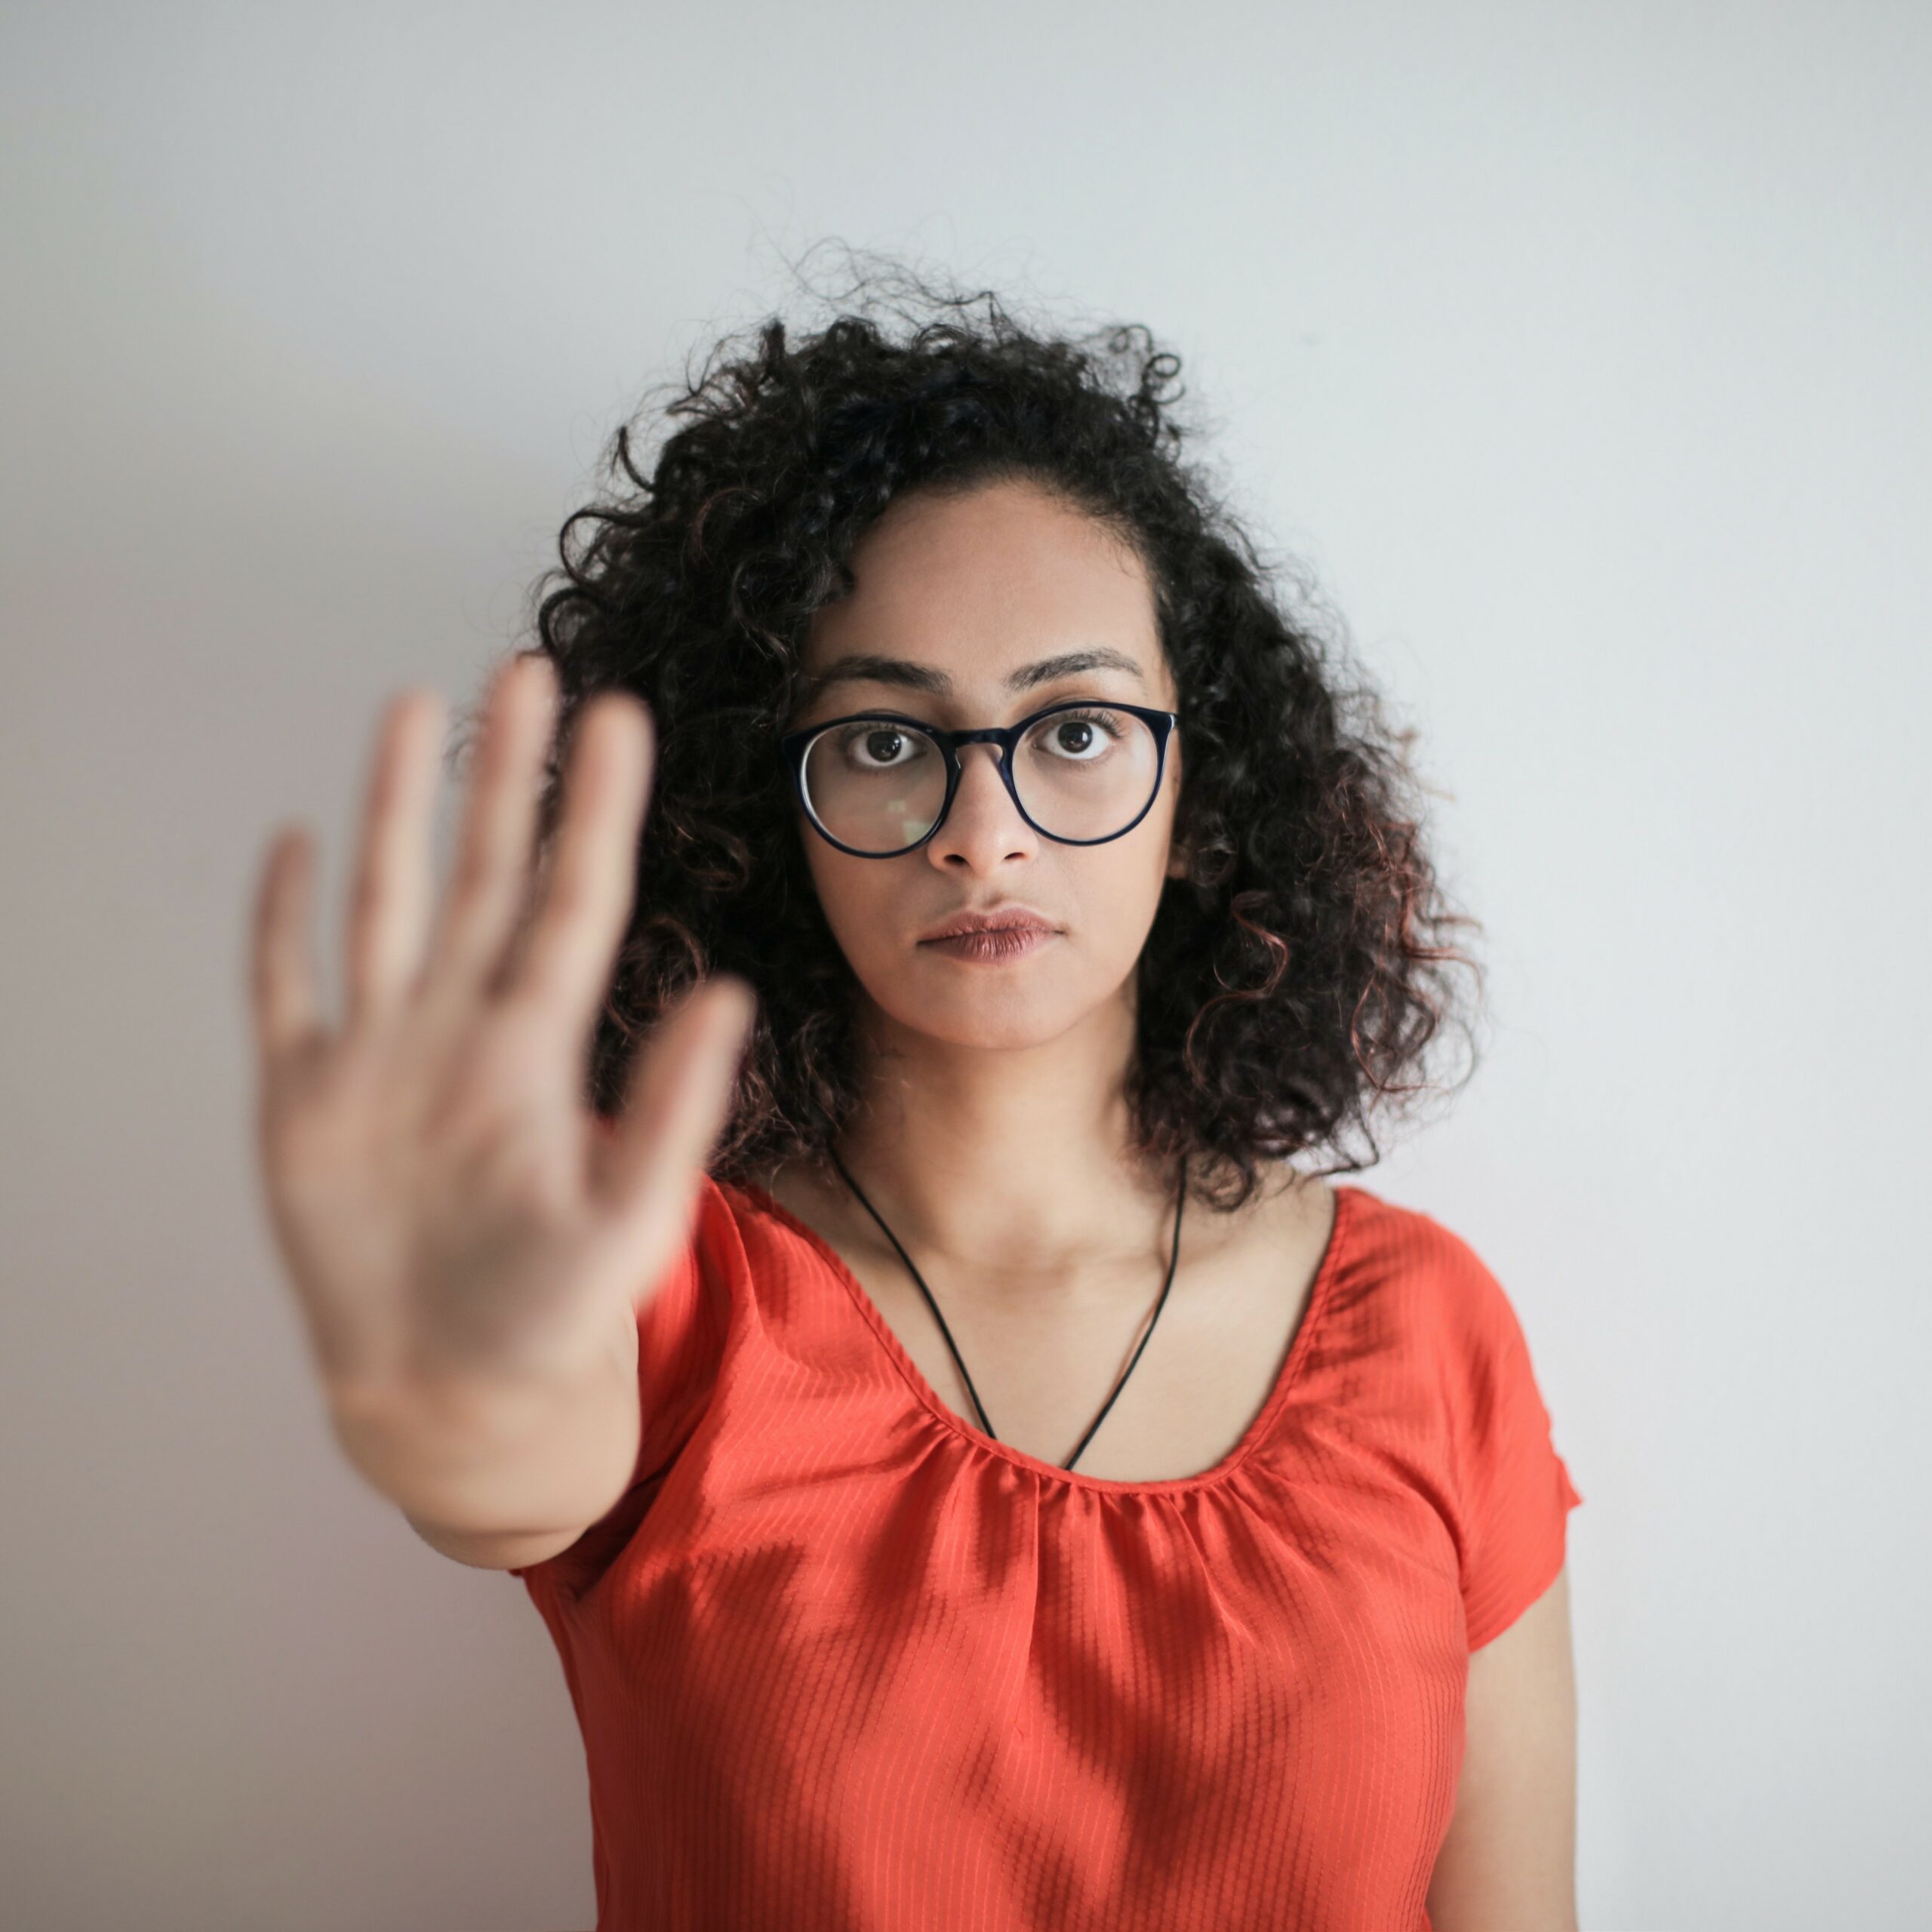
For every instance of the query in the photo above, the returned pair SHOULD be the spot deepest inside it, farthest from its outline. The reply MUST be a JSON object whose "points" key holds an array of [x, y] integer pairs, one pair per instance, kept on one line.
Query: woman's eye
{"points": [[1081, 736], [874, 747]]}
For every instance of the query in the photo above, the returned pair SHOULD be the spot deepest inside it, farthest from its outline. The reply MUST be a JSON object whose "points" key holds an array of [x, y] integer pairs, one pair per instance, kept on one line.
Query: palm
{"points": [[447, 1208]]}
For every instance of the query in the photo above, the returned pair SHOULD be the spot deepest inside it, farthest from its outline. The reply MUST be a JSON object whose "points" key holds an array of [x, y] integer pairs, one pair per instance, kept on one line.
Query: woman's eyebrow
{"points": [[869, 666]]}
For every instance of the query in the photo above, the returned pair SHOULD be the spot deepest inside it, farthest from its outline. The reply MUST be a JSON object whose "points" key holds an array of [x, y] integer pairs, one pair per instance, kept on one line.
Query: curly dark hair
{"points": [[1293, 980]]}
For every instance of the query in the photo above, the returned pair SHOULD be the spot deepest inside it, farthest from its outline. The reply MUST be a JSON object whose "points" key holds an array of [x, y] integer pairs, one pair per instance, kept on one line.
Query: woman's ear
{"points": [[1178, 860]]}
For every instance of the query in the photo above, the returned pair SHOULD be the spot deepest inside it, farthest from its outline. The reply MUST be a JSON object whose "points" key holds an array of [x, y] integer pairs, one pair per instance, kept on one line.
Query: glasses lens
{"points": [[1086, 773], [874, 784]]}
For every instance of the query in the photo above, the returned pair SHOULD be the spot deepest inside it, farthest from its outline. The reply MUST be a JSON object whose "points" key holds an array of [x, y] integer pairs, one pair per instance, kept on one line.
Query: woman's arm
{"points": [[1508, 1863]]}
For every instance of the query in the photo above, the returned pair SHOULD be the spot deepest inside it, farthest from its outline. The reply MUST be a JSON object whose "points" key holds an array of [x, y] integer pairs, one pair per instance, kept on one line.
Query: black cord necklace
{"points": [[1173, 1260]]}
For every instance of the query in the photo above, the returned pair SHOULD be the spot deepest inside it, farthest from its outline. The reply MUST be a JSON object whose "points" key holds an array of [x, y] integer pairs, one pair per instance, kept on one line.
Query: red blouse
{"points": [[842, 1661]]}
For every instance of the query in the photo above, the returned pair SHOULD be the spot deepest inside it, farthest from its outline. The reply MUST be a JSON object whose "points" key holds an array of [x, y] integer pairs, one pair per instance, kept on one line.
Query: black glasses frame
{"points": [[795, 744]]}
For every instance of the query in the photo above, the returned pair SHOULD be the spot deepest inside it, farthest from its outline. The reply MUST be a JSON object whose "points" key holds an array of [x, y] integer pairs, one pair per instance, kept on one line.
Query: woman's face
{"points": [[973, 596]]}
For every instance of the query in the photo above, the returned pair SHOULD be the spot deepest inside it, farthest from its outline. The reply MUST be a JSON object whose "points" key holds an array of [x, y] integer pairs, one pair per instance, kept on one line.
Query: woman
{"points": [[972, 1479]]}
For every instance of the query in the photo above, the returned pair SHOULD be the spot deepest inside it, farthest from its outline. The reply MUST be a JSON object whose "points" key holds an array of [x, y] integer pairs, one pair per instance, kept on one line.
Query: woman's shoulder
{"points": [[798, 1185], [1428, 1280], [794, 1201], [780, 1222], [1401, 1232]]}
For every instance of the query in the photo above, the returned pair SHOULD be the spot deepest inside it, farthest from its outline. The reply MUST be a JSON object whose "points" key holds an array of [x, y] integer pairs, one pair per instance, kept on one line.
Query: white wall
{"points": [[1580, 352]]}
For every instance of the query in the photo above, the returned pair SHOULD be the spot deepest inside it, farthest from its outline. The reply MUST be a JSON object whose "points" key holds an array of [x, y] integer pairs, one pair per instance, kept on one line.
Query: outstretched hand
{"points": [[449, 1211]]}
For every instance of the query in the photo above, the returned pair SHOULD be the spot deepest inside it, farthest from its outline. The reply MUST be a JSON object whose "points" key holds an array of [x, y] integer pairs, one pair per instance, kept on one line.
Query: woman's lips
{"points": [[991, 948]]}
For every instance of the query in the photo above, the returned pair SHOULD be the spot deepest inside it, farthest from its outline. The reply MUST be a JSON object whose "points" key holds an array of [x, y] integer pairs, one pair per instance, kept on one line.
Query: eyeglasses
{"points": [[877, 784]]}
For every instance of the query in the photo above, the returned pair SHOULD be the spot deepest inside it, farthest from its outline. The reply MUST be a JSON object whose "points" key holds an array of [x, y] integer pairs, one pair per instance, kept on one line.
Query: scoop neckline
{"points": [[1257, 1430]]}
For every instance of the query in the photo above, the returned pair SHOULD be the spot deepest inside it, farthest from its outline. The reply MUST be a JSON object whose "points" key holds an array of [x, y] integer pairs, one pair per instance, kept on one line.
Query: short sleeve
{"points": [[680, 1330], [1515, 1490]]}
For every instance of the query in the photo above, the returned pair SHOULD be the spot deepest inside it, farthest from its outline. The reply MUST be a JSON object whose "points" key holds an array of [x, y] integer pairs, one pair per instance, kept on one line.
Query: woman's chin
{"points": [[991, 1012]]}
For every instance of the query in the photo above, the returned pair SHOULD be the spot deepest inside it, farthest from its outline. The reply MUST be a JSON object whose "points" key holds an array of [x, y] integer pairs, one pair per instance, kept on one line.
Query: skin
{"points": [[1507, 1862], [993, 1135]]}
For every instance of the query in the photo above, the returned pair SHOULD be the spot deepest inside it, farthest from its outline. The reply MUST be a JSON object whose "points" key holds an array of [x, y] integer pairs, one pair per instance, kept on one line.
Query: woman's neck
{"points": [[1013, 1161]]}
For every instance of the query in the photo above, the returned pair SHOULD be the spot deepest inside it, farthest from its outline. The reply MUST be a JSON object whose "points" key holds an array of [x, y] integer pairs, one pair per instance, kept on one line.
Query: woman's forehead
{"points": [[995, 594]]}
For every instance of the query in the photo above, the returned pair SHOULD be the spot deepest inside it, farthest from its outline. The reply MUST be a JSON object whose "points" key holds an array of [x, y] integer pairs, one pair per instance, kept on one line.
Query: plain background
{"points": [[1578, 353]]}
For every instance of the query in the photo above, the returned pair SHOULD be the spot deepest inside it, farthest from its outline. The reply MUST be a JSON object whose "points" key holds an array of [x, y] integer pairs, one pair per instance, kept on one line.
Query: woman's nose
{"points": [[984, 825]]}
